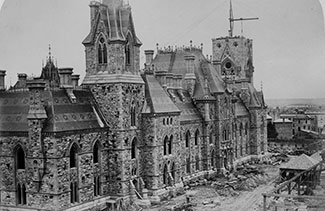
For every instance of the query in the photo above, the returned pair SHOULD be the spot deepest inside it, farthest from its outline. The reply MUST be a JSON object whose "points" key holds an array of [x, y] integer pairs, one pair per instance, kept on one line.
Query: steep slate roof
{"points": [[63, 115], [117, 22], [317, 156], [303, 162], [157, 99], [240, 109]]}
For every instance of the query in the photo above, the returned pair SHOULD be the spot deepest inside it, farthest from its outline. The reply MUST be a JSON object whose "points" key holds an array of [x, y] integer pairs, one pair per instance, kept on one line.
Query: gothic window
{"points": [[127, 54], [170, 145], [21, 194], [73, 156], [240, 130], [102, 51], [73, 192], [197, 134], [134, 149], [20, 158], [133, 115], [187, 139], [97, 186], [165, 175], [197, 164], [96, 152], [165, 145], [188, 165], [211, 138]]}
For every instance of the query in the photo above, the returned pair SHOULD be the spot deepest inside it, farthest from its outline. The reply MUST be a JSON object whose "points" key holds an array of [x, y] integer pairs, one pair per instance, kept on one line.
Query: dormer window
{"points": [[102, 51]]}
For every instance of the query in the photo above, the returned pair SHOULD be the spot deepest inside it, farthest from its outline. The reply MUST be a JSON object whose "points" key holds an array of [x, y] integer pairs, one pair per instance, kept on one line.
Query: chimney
{"points": [[22, 78], [65, 77], [36, 107], [75, 80], [149, 56], [2, 80]]}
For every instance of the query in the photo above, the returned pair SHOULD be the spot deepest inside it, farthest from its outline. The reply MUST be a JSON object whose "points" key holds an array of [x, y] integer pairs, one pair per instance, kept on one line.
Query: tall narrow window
{"points": [[97, 186], [127, 54], [212, 159], [165, 175], [165, 145], [19, 201], [21, 194], [197, 164], [187, 139], [197, 134], [100, 55], [105, 53], [133, 149], [133, 116], [20, 158], [173, 171], [75, 190], [73, 156], [246, 129], [102, 51], [170, 145], [188, 165], [96, 153], [211, 138]]}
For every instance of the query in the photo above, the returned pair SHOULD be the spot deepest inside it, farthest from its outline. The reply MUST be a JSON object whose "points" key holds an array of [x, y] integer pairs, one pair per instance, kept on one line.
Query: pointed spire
{"points": [[50, 53], [231, 17]]}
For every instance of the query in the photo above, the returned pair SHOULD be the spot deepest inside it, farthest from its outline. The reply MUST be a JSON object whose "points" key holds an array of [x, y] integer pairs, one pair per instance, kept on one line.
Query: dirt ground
{"points": [[206, 198]]}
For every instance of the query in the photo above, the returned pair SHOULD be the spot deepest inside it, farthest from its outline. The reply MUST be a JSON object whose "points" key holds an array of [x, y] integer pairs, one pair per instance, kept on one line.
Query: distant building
{"points": [[284, 128], [122, 135]]}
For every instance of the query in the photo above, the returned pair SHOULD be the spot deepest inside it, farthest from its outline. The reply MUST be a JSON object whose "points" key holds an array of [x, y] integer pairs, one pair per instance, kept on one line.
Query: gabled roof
{"points": [[240, 109], [303, 162], [157, 100]]}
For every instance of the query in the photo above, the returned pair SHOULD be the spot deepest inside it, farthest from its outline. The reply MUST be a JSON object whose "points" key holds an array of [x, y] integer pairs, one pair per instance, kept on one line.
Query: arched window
{"points": [[134, 149], [211, 138], [133, 115], [187, 139], [102, 51], [224, 134], [165, 175], [20, 158], [241, 129], [197, 135], [96, 152], [170, 145], [197, 163], [165, 145], [73, 156], [188, 165]]}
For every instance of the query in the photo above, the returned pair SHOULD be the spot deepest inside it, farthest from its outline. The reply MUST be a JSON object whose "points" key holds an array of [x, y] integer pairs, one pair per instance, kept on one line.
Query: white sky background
{"points": [[289, 38]]}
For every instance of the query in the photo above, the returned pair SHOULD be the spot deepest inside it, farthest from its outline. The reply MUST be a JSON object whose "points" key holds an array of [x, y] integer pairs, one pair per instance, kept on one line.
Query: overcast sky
{"points": [[289, 38]]}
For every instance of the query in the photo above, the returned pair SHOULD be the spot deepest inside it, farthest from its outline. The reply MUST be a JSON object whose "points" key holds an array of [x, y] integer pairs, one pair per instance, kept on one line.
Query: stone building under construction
{"points": [[126, 133]]}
